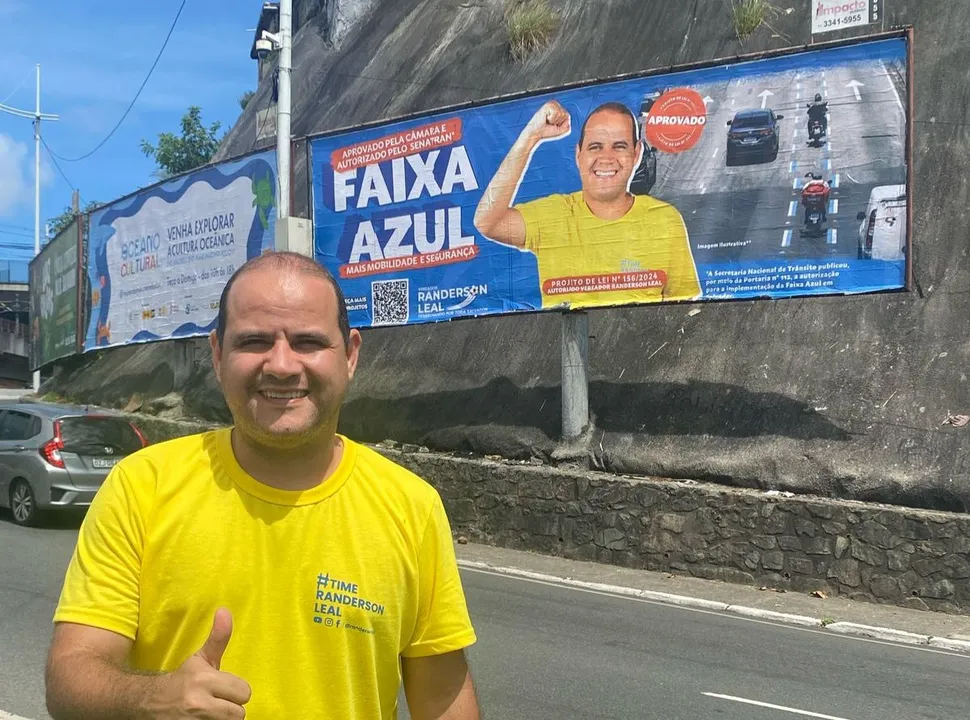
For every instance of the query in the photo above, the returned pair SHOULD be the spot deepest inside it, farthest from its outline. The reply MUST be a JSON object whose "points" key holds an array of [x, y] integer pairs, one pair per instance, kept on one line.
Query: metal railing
{"points": [[13, 328]]}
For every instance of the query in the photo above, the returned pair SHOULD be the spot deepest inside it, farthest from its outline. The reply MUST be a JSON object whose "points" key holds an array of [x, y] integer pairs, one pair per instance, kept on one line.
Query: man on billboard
{"points": [[601, 245]]}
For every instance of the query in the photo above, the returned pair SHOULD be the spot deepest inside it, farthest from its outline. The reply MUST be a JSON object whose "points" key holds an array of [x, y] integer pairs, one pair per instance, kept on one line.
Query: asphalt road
{"points": [[752, 211], [547, 651]]}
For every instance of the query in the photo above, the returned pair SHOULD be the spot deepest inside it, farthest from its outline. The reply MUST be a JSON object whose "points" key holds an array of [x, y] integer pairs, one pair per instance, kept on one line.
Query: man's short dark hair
{"points": [[284, 261], [616, 107]]}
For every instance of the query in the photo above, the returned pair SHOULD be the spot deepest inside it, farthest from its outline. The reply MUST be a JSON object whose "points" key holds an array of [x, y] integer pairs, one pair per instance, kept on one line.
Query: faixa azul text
{"points": [[433, 228]]}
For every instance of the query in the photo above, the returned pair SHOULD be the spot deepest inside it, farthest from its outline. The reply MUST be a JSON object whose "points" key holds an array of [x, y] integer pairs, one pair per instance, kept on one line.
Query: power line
{"points": [[15, 227], [54, 160], [14, 91], [134, 99]]}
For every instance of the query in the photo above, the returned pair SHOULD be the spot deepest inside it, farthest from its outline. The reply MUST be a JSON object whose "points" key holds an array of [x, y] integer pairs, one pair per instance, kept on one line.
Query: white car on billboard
{"points": [[882, 232]]}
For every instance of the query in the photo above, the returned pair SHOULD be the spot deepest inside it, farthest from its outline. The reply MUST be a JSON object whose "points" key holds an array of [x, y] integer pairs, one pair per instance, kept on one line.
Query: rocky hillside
{"points": [[836, 396]]}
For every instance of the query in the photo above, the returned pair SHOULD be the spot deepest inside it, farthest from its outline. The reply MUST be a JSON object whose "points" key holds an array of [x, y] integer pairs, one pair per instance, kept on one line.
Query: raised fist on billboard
{"points": [[551, 121]]}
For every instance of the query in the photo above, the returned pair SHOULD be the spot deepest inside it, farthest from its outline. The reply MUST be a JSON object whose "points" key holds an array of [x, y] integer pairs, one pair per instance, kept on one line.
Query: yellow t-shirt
{"points": [[644, 256], [327, 587]]}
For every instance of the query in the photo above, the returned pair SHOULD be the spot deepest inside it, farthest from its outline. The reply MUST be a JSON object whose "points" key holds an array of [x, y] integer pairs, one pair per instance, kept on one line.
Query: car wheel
{"points": [[23, 505]]}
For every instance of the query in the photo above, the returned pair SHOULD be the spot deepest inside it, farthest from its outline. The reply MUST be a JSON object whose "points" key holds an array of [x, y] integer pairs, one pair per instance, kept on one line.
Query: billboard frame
{"points": [[910, 144], [900, 31], [79, 219]]}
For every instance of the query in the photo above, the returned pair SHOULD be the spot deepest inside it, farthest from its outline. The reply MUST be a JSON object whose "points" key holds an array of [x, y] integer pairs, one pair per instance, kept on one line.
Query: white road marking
{"points": [[685, 602], [792, 165], [703, 189], [892, 86], [795, 183], [852, 178], [8, 716], [833, 237], [834, 205], [786, 238], [793, 711], [828, 164], [792, 208], [715, 152], [836, 183]]}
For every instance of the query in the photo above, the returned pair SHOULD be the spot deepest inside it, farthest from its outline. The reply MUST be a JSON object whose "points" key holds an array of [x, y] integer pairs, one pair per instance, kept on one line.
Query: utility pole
{"points": [[283, 108], [292, 233], [36, 116]]}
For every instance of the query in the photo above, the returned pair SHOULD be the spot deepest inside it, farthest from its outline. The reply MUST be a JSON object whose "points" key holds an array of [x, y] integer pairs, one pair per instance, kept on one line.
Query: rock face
{"points": [[839, 396]]}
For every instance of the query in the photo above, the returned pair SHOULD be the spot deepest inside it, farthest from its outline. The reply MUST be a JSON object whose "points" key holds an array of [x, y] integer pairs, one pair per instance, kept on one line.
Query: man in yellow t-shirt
{"points": [[600, 245], [274, 569]]}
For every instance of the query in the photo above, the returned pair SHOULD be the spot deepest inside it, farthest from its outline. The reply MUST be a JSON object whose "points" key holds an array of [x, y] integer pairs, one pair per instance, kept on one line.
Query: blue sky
{"points": [[94, 56]]}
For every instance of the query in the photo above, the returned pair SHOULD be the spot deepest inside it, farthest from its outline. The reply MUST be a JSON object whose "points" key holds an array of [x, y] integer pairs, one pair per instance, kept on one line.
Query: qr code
{"points": [[390, 300]]}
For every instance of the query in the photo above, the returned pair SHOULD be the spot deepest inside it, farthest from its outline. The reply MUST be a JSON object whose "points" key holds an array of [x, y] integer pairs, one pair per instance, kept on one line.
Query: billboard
{"points": [[158, 260], [700, 184], [830, 15], [54, 293]]}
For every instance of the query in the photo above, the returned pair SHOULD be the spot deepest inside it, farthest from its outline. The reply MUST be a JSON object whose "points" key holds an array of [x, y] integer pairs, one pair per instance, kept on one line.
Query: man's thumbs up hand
{"points": [[199, 689], [218, 640]]}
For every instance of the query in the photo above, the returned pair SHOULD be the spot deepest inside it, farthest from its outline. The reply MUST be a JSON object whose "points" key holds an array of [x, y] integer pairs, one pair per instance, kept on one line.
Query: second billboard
{"points": [[777, 177], [158, 260]]}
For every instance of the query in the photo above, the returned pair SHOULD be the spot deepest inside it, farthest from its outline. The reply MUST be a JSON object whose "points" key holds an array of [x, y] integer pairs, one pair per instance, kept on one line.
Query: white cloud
{"points": [[16, 173]]}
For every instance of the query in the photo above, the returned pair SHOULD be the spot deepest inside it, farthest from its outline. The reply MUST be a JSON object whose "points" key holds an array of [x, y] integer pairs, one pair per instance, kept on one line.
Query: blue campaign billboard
{"points": [[158, 260], [776, 176]]}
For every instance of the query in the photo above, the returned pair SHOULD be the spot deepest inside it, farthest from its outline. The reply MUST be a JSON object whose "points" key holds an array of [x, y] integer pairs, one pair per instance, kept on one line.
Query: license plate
{"points": [[104, 462]]}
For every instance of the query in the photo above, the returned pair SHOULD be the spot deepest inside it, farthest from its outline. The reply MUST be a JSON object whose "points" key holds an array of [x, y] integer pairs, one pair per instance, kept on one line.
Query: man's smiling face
{"points": [[607, 155]]}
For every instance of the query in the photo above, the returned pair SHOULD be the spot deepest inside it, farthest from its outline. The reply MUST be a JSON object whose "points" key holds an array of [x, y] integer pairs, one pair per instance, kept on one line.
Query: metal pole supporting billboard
{"points": [[575, 374]]}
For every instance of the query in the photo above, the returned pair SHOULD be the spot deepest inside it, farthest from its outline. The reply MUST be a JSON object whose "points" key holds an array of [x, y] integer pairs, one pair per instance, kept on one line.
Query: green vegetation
{"points": [[531, 25], [177, 154], [748, 16]]}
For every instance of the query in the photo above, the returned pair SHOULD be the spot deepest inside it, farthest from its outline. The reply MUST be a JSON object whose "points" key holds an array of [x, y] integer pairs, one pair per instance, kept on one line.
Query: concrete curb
{"points": [[878, 633], [842, 628], [961, 646]]}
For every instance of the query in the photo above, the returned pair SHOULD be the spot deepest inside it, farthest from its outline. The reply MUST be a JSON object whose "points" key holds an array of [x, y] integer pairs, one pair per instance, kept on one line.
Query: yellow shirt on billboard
{"points": [[584, 261], [327, 587]]}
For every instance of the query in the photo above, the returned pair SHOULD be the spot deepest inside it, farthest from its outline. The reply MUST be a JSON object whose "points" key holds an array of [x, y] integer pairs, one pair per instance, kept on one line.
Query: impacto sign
{"points": [[755, 178], [54, 290], [829, 15], [158, 260]]}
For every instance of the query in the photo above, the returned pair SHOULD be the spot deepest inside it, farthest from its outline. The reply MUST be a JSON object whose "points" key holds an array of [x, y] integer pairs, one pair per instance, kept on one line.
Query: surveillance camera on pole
{"points": [[267, 44]]}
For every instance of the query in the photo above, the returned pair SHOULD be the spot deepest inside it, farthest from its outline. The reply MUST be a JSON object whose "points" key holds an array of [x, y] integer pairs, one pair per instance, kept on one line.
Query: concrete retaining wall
{"points": [[879, 553], [876, 553]]}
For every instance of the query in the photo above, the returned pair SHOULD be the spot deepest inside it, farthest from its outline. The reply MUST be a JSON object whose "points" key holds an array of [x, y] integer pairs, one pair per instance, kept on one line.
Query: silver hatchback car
{"points": [[57, 456]]}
